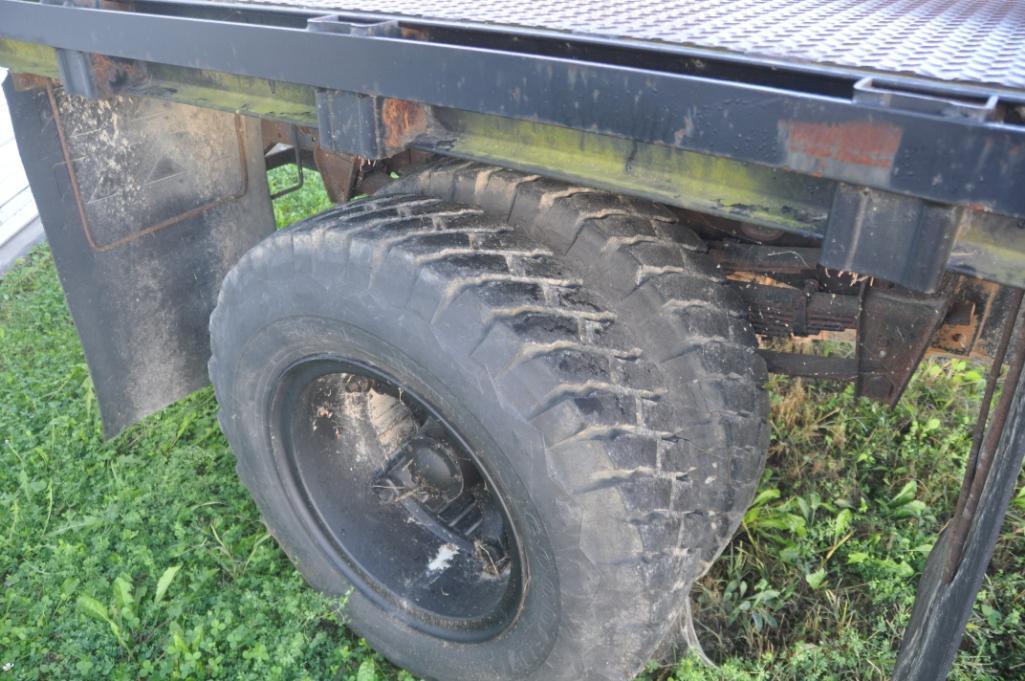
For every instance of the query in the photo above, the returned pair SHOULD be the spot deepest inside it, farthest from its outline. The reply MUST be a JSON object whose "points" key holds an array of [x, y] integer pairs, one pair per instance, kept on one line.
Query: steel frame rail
{"points": [[950, 160]]}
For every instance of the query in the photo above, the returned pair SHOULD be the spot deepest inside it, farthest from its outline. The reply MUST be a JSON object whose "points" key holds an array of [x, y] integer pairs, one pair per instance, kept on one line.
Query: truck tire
{"points": [[652, 272], [384, 369]]}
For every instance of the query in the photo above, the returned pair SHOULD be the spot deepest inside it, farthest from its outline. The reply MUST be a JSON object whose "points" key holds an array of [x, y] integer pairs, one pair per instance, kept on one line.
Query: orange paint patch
{"points": [[866, 144]]}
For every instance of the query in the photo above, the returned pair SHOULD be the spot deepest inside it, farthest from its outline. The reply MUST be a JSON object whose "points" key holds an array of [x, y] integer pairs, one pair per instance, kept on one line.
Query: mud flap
{"points": [[146, 205]]}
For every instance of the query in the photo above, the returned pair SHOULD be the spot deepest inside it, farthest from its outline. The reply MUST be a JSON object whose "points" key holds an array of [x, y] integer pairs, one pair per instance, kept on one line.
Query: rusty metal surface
{"points": [[28, 81], [943, 604], [402, 122], [973, 324], [971, 41], [339, 172], [283, 132], [818, 148], [985, 440], [111, 75], [368, 125]]}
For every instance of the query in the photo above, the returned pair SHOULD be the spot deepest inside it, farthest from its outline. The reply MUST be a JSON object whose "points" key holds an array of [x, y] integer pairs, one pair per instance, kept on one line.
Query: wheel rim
{"points": [[398, 498]]}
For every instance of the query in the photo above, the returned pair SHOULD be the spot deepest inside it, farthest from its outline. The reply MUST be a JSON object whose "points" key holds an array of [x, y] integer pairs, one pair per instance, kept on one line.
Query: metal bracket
{"points": [[94, 76], [298, 159], [894, 331], [75, 67], [898, 238], [76, 71], [948, 102], [335, 23], [370, 126]]}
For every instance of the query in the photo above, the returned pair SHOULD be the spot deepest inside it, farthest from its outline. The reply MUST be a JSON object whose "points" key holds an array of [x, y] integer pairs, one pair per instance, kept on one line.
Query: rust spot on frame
{"points": [[29, 81], [113, 74], [869, 145], [402, 121]]}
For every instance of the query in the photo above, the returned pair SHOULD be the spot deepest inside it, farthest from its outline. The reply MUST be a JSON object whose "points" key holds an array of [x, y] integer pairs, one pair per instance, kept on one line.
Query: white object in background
{"points": [[20, 228]]}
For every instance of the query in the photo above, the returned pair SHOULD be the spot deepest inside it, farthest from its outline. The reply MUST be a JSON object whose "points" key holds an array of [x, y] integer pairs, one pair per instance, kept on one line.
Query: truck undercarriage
{"points": [[835, 172]]}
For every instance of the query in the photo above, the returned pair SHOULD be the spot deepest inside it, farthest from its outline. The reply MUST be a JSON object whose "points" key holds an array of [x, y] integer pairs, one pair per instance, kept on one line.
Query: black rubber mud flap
{"points": [[146, 205]]}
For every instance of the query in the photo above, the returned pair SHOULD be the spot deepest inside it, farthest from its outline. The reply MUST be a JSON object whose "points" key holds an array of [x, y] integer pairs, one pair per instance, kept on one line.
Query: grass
{"points": [[143, 557]]}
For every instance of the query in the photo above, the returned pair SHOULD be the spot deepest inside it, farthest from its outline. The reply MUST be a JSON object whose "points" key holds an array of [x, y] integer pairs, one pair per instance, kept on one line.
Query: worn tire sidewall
{"points": [[258, 346]]}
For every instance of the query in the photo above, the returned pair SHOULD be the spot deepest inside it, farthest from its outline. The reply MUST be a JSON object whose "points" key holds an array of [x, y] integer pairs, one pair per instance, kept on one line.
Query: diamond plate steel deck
{"points": [[967, 41]]}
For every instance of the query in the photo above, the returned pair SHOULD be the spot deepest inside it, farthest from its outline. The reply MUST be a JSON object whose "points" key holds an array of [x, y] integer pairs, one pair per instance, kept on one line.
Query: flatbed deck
{"points": [[969, 43]]}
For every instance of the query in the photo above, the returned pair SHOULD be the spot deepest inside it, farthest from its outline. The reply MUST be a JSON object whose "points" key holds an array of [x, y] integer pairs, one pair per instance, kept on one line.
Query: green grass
{"points": [[309, 200], [143, 557]]}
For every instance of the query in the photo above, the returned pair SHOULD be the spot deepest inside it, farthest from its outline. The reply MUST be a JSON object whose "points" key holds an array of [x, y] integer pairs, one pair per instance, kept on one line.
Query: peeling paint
{"points": [[402, 121], [822, 148]]}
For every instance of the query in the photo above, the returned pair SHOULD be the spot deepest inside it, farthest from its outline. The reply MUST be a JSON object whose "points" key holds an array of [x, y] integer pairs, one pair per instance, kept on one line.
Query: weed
{"points": [[309, 200]]}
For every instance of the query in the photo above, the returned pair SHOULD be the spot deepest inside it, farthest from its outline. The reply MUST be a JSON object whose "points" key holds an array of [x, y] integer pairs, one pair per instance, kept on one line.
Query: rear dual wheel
{"points": [[436, 417]]}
